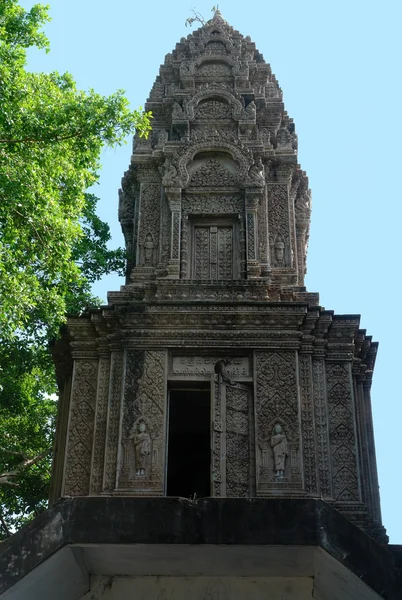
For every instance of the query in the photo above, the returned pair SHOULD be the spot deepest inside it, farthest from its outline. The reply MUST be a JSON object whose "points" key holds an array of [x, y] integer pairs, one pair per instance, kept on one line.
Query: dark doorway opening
{"points": [[189, 444]]}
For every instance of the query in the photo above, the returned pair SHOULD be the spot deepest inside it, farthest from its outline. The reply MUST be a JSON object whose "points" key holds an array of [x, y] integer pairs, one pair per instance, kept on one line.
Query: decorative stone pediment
{"points": [[214, 69], [240, 155], [213, 109], [214, 94], [212, 173]]}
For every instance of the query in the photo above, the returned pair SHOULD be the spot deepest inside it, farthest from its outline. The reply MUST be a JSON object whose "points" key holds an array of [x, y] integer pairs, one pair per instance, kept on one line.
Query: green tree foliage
{"points": [[52, 244]]}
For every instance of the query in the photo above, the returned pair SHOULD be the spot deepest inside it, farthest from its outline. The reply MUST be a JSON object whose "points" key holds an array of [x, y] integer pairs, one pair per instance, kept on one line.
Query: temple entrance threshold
{"points": [[189, 442]]}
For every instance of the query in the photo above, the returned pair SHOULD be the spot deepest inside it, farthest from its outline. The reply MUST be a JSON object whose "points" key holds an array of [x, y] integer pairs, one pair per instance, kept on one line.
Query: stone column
{"points": [[341, 411], [113, 419], [263, 235], [99, 442], [372, 463], [253, 196], [174, 199], [321, 420], [81, 425], [307, 415]]}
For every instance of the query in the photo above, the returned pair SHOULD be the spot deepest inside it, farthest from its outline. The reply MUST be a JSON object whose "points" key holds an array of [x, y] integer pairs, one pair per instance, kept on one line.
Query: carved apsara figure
{"points": [[279, 249], [283, 139], [279, 445], [251, 110], [148, 249], [142, 447], [257, 171]]}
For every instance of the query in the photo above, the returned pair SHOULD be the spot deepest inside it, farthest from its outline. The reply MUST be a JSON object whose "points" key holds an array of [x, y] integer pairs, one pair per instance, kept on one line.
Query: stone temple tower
{"points": [[213, 373]]}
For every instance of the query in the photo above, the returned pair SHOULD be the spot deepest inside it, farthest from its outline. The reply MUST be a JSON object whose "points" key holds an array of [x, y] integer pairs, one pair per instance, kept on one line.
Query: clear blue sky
{"points": [[339, 66]]}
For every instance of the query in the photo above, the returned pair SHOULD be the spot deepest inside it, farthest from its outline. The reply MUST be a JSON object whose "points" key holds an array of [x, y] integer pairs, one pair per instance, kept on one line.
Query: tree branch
{"points": [[6, 478]]}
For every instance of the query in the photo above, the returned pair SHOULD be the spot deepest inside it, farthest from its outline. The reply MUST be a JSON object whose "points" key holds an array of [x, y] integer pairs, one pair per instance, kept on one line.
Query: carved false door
{"points": [[232, 427], [213, 251]]}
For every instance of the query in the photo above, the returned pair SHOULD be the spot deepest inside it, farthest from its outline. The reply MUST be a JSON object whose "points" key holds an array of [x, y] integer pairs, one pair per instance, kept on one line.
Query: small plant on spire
{"points": [[198, 17]]}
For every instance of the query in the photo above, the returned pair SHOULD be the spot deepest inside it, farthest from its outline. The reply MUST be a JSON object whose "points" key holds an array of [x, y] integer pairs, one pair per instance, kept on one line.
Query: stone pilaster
{"points": [[82, 409], [174, 200], [305, 376], [252, 200]]}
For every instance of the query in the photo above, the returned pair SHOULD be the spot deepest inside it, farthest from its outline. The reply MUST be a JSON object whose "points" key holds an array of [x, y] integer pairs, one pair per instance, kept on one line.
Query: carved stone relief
{"points": [[148, 239], [234, 156], [215, 48], [113, 420], [278, 224], [212, 173], [251, 240], [214, 109], [308, 425], [217, 455], [238, 367], [262, 219], [280, 451], [100, 426], [214, 69], [237, 400], [321, 428], [212, 204], [143, 428], [341, 433], [81, 429], [276, 403], [213, 249]]}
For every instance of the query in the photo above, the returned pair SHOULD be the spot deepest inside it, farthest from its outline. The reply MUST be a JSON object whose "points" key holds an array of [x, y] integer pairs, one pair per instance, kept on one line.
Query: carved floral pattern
{"points": [[212, 204], [213, 109], [237, 442], [212, 173], [81, 429], [217, 439], [100, 426], [215, 48], [321, 428], [113, 420], [250, 236], [341, 434], [176, 235], [144, 398], [150, 215], [214, 70], [308, 429], [276, 401]]}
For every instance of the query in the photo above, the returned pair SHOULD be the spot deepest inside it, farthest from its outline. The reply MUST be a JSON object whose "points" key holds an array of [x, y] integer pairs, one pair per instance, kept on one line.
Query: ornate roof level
{"points": [[216, 192]]}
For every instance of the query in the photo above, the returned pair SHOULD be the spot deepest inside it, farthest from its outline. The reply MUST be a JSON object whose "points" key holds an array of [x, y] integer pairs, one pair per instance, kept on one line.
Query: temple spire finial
{"points": [[217, 18]]}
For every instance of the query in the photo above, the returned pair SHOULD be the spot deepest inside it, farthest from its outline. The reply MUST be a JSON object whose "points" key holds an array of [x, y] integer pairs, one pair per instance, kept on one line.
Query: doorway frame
{"points": [[200, 385]]}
